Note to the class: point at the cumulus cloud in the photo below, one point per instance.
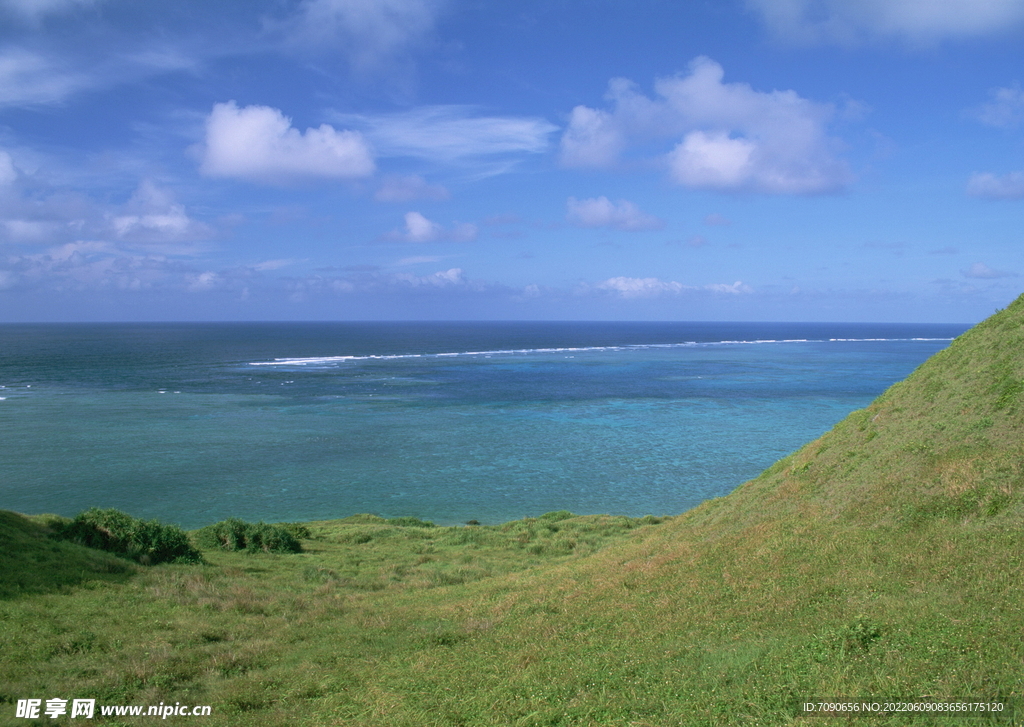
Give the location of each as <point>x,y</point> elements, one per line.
<point>374,34</point>
<point>419,229</point>
<point>919,21</point>
<point>728,137</point>
<point>981,270</point>
<point>259,143</point>
<point>450,134</point>
<point>396,188</point>
<point>594,138</point>
<point>992,186</point>
<point>602,212</point>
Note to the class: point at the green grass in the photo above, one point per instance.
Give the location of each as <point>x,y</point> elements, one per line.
<point>881,562</point>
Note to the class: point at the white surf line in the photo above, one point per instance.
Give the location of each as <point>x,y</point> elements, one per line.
<point>320,360</point>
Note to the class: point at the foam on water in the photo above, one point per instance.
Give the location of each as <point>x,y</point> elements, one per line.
<point>320,360</point>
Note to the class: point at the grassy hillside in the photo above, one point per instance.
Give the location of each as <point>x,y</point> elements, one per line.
<point>881,562</point>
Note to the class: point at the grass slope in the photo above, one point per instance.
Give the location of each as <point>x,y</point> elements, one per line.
<point>33,563</point>
<point>881,562</point>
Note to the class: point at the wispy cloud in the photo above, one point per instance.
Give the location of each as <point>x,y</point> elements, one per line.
<point>450,134</point>
<point>29,77</point>
<point>995,186</point>
<point>717,220</point>
<point>375,35</point>
<point>33,11</point>
<point>1005,110</point>
<point>847,22</point>
<point>398,188</point>
<point>602,212</point>
<point>418,260</point>
<point>983,271</point>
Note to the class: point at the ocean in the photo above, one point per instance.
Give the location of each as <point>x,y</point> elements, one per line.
<point>191,423</point>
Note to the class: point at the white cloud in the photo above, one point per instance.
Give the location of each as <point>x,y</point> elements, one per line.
<point>27,78</point>
<point>273,264</point>
<point>408,188</point>
<point>374,34</point>
<point>602,212</point>
<point>991,186</point>
<point>153,216</point>
<point>734,289</point>
<point>204,281</point>
<point>731,137</point>
<point>419,229</point>
<point>440,279</point>
<point>29,230</point>
<point>1005,110</point>
<point>640,287</point>
<point>258,143</point>
<point>34,10</point>
<point>450,134</point>
<point>30,76</point>
<point>919,21</point>
<point>418,259</point>
<point>8,174</point>
<point>93,265</point>
<point>652,287</point>
<point>717,220</point>
<point>592,139</point>
<point>712,161</point>
<point>981,270</point>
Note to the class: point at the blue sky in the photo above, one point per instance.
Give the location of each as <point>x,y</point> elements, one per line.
<point>817,160</point>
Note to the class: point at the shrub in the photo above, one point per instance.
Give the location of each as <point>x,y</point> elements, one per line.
<point>298,530</point>
<point>146,541</point>
<point>556,516</point>
<point>235,534</point>
<point>409,522</point>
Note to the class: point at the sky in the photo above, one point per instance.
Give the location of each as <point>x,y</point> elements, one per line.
<point>742,160</point>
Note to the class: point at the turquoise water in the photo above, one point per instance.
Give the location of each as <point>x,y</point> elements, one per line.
<point>192,423</point>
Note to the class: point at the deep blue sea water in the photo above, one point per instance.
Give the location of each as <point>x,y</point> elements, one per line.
<point>192,423</point>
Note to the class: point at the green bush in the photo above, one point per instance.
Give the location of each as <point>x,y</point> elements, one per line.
<point>235,534</point>
<point>409,522</point>
<point>298,530</point>
<point>146,541</point>
<point>556,516</point>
